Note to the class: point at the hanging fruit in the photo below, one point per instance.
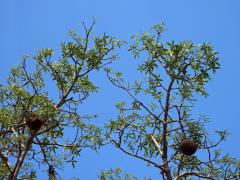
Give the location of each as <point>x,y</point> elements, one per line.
<point>34,125</point>
<point>188,147</point>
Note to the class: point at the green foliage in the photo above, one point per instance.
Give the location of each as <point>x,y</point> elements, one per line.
<point>174,72</point>
<point>25,99</point>
<point>117,174</point>
<point>150,126</point>
<point>189,64</point>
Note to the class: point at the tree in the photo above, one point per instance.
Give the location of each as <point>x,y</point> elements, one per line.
<point>34,125</point>
<point>157,126</point>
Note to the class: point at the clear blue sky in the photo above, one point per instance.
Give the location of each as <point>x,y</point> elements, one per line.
<point>27,26</point>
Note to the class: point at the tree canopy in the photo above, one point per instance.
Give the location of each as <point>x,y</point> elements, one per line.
<point>161,131</point>
<point>34,126</point>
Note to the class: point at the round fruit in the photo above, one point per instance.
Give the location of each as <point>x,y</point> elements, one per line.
<point>188,147</point>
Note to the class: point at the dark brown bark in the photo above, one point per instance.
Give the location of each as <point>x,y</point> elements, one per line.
<point>21,158</point>
<point>167,171</point>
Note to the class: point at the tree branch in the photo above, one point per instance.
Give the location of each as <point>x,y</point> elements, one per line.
<point>185,174</point>
<point>165,122</point>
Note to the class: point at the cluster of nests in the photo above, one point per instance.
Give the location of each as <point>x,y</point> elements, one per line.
<point>188,147</point>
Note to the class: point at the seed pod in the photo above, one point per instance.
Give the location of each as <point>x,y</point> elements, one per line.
<point>188,147</point>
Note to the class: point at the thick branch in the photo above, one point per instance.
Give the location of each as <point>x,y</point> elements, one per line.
<point>21,158</point>
<point>156,144</point>
<point>165,143</point>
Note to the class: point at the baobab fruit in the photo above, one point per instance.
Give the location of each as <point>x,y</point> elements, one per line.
<point>34,125</point>
<point>188,147</point>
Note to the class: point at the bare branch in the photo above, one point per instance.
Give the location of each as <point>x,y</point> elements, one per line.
<point>186,174</point>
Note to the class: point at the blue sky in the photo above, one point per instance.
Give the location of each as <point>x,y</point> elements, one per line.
<point>27,26</point>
